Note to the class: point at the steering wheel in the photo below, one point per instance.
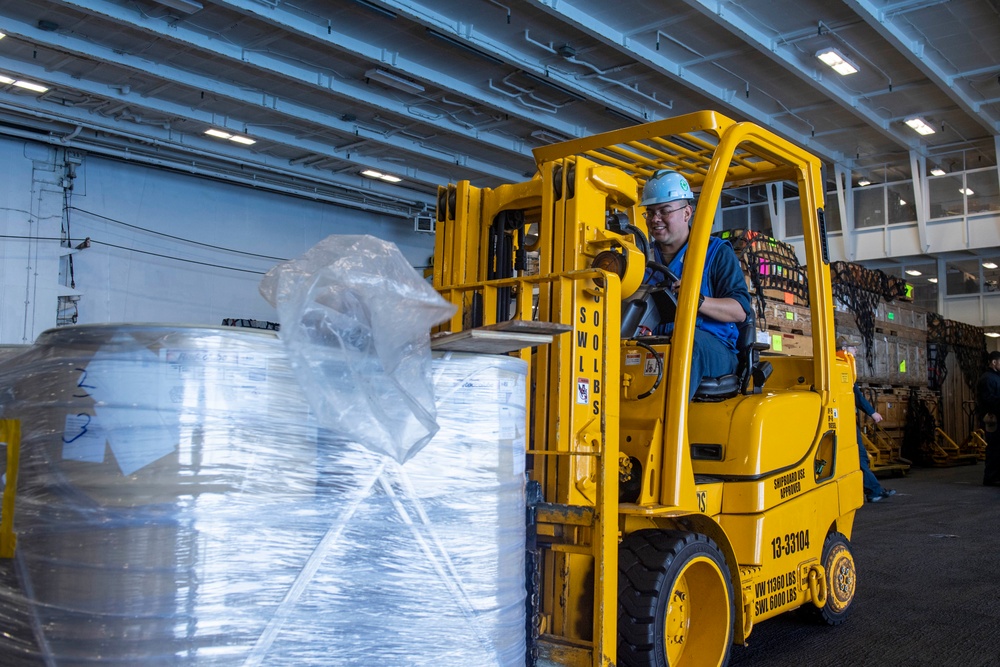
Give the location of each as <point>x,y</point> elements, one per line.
<point>662,294</point>
<point>669,278</point>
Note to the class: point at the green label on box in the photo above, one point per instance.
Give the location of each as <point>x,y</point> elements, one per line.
<point>891,316</point>
<point>909,291</point>
<point>902,366</point>
<point>776,342</point>
<point>789,316</point>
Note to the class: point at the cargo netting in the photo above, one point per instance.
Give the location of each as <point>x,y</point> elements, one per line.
<point>968,342</point>
<point>769,264</point>
<point>861,289</point>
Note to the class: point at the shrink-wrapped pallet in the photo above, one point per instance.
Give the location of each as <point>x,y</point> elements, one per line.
<point>178,504</point>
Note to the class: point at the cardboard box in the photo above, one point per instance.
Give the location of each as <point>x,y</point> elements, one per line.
<point>791,345</point>
<point>788,317</point>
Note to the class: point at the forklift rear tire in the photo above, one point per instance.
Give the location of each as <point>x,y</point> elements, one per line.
<point>675,601</point>
<point>841,580</point>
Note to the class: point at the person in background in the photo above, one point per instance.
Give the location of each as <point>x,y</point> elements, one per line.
<point>874,491</point>
<point>988,411</point>
<point>724,301</point>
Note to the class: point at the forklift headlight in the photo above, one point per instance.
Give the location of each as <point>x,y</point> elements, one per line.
<point>612,262</point>
<point>626,263</point>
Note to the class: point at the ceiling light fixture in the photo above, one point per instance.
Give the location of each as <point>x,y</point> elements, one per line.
<point>865,182</point>
<point>919,125</point>
<point>2,35</point>
<point>993,334</point>
<point>966,191</point>
<point>902,202</point>
<point>27,85</point>
<point>371,173</point>
<point>937,171</point>
<point>186,6</point>
<point>913,272</point>
<point>237,138</point>
<point>838,61</point>
<point>394,80</point>
<point>34,87</point>
<point>989,265</point>
<point>932,280</point>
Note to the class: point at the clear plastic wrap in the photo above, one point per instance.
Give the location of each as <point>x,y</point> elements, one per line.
<point>178,504</point>
<point>356,318</point>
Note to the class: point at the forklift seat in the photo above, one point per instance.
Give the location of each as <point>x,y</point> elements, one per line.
<point>748,367</point>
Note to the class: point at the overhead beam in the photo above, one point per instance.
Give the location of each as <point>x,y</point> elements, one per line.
<point>15,115</point>
<point>346,43</point>
<point>352,92</point>
<point>465,35</point>
<point>927,63</point>
<point>204,119</point>
<point>677,73</point>
<point>788,59</point>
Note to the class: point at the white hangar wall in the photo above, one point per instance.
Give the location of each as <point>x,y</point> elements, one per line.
<point>165,247</point>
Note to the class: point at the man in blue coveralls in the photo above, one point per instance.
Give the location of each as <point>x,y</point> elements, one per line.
<point>724,300</point>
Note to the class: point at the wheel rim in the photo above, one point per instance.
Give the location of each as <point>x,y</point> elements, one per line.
<point>843,579</point>
<point>699,616</point>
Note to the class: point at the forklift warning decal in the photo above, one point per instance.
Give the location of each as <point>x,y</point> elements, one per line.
<point>652,367</point>
<point>582,391</point>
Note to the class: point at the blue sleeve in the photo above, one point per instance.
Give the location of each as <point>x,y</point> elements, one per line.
<point>862,402</point>
<point>727,278</point>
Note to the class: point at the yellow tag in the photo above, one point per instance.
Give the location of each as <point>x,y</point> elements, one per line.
<point>789,316</point>
<point>776,342</point>
<point>902,366</point>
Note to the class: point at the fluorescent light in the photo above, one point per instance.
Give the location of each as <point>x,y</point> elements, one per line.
<point>27,85</point>
<point>966,191</point>
<point>371,173</point>
<point>838,61</point>
<point>913,272</point>
<point>2,35</point>
<point>937,171</point>
<point>394,80</point>
<point>993,334</point>
<point>919,125</point>
<point>932,280</point>
<point>989,265</point>
<point>236,138</point>
<point>902,202</point>
<point>864,183</point>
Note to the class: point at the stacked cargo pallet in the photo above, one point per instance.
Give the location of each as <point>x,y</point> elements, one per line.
<point>910,359</point>
<point>779,287</point>
<point>873,308</point>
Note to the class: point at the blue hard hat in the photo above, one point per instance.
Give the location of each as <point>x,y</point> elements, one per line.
<point>665,186</point>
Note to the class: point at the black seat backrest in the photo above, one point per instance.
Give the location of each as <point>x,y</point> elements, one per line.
<point>748,366</point>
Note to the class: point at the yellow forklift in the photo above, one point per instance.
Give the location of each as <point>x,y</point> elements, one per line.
<point>662,529</point>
